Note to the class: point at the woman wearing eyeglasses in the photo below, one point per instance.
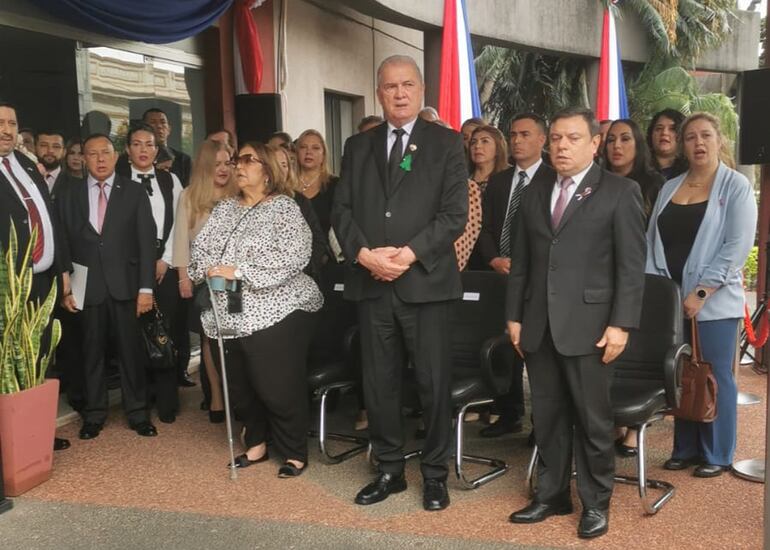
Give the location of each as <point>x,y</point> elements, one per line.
<point>211,181</point>
<point>259,242</point>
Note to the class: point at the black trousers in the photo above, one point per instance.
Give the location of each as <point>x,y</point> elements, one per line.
<point>510,406</point>
<point>162,383</point>
<point>571,406</point>
<point>119,319</point>
<point>180,330</point>
<point>267,375</point>
<point>391,330</point>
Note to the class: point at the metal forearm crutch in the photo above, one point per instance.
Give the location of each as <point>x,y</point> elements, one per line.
<point>225,390</point>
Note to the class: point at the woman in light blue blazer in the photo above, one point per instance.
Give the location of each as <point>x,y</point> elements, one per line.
<point>700,233</point>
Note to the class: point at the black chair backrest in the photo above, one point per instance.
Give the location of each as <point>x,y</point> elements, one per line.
<point>336,316</point>
<point>660,328</point>
<point>478,316</point>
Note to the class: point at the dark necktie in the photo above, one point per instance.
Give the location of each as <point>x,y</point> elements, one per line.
<point>147,182</point>
<point>513,207</point>
<point>35,220</point>
<point>396,156</point>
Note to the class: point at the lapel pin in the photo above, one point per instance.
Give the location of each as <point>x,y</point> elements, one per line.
<point>587,191</point>
<point>412,147</point>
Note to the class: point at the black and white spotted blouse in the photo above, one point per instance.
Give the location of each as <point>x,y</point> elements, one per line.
<point>271,245</point>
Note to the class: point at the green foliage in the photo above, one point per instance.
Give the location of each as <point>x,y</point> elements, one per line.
<point>513,81</point>
<point>22,322</point>
<point>750,269</point>
<point>675,88</point>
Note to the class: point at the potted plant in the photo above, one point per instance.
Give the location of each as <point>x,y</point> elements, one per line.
<point>28,402</point>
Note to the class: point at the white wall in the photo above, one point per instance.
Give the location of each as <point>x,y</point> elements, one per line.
<point>336,51</point>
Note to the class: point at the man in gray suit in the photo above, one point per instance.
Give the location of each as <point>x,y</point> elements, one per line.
<point>575,289</point>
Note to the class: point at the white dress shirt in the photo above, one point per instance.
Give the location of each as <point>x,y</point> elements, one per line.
<point>159,207</point>
<point>407,128</point>
<point>93,206</point>
<point>46,261</point>
<point>531,171</point>
<point>576,179</point>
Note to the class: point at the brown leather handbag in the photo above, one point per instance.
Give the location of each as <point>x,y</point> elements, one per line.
<point>698,400</point>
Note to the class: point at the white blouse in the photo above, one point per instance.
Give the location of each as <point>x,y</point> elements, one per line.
<point>271,244</point>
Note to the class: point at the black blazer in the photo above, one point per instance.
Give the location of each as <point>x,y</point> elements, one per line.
<point>12,208</point>
<point>121,259</point>
<point>182,166</point>
<point>494,206</point>
<point>64,182</point>
<point>585,275</point>
<point>426,209</point>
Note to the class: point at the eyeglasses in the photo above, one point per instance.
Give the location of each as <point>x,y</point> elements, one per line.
<point>248,160</point>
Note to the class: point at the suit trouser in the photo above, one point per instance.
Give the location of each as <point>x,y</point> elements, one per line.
<point>391,328</point>
<point>116,317</point>
<point>163,382</point>
<point>571,406</point>
<point>267,375</point>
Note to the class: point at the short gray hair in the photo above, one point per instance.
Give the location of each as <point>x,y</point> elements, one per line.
<point>398,60</point>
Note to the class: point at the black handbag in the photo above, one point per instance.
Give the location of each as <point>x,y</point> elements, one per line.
<point>201,297</point>
<point>157,343</point>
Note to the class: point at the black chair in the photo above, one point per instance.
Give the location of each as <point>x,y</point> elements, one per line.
<point>646,380</point>
<point>482,362</point>
<point>334,360</point>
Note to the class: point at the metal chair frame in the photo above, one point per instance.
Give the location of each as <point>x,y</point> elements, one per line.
<point>360,444</point>
<point>498,467</point>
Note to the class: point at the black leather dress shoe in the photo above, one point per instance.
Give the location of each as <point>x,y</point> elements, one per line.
<point>709,470</point>
<point>680,463</point>
<point>536,512</point>
<point>167,418</point>
<point>60,444</point>
<point>434,495</point>
<point>381,488</point>
<point>625,450</point>
<point>184,380</point>
<point>145,429</point>
<point>501,427</point>
<point>593,523</point>
<point>89,430</point>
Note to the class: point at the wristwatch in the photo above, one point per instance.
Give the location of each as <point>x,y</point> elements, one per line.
<point>701,293</point>
<point>238,273</point>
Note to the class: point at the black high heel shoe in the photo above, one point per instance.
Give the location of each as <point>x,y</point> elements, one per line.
<point>216,417</point>
<point>290,470</point>
<point>243,461</point>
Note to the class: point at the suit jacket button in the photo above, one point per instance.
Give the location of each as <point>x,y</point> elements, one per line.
<point>552,267</point>
<point>388,214</point>
<point>555,241</point>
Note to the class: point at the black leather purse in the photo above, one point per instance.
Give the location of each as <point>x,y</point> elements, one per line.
<point>157,343</point>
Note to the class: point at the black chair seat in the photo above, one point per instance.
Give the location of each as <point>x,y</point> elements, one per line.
<point>469,389</point>
<point>636,403</point>
<point>329,371</point>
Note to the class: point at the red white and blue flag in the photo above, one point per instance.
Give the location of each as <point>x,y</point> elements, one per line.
<point>611,101</point>
<point>459,92</point>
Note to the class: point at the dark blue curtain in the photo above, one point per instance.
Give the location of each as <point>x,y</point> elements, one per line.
<point>153,21</point>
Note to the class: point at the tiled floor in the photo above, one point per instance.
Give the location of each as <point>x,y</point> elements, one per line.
<point>183,472</point>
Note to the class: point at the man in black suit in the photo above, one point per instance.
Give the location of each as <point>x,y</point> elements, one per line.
<point>500,206</point>
<point>25,202</point>
<point>109,229</point>
<point>182,163</point>
<point>575,289</point>
<point>401,202</point>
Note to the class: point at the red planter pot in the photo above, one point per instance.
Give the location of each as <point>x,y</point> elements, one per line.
<point>27,428</point>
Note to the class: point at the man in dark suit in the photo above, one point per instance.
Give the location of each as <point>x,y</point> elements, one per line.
<point>401,202</point>
<point>25,202</point>
<point>500,206</point>
<point>182,163</point>
<point>109,229</point>
<point>575,289</point>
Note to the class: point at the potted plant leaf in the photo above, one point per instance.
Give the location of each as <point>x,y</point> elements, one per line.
<point>28,402</point>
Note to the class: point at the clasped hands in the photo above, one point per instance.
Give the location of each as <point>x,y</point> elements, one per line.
<point>387,263</point>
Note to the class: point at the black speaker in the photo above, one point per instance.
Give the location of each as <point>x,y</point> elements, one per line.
<point>754,145</point>
<point>257,116</point>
